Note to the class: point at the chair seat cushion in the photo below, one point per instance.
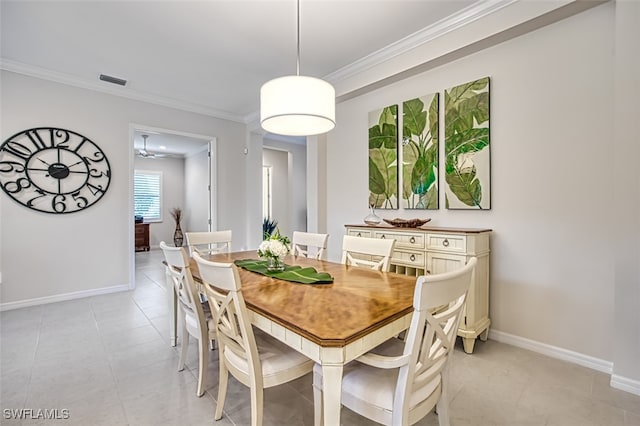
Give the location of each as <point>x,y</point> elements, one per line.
<point>276,358</point>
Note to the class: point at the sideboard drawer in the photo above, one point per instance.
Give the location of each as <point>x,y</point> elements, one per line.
<point>359,233</point>
<point>403,239</point>
<point>447,242</point>
<point>409,258</point>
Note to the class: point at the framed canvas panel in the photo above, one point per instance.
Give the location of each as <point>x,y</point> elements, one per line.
<point>420,153</point>
<point>383,158</point>
<point>467,162</point>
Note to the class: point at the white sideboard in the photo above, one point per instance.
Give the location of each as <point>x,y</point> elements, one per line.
<point>434,250</point>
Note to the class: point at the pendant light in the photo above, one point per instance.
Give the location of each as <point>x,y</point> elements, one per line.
<point>297,105</point>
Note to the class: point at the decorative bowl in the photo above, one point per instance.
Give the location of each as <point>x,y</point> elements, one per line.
<point>406,223</point>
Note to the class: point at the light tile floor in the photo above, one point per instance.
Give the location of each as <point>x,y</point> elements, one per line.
<point>106,359</point>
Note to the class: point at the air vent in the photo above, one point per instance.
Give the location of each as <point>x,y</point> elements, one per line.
<point>114,80</point>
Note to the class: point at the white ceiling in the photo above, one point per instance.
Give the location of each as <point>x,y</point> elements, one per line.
<point>210,55</point>
<point>166,143</point>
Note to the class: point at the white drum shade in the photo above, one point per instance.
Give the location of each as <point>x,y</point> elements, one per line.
<point>297,106</point>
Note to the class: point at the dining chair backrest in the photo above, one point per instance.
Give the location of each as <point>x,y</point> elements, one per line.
<point>221,284</point>
<point>372,252</point>
<point>309,244</point>
<point>256,360</point>
<point>401,381</point>
<point>209,242</point>
<point>438,304</point>
<point>178,269</point>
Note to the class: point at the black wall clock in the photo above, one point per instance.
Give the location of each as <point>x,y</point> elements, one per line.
<point>53,170</point>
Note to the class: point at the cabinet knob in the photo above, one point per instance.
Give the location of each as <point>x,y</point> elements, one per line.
<point>428,271</point>
<point>412,240</point>
<point>412,257</point>
<point>445,243</point>
<point>359,234</point>
<point>383,237</point>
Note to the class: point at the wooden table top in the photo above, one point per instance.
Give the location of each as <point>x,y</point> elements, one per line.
<point>331,315</point>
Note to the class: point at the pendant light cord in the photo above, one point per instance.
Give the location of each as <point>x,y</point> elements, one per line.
<point>298,41</point>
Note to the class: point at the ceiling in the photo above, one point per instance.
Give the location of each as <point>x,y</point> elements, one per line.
<point>172,145</point>
<point>209,56</point>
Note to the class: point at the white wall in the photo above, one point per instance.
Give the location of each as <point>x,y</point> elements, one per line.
<point>296,182</point>
<point>46,256</point>
<point>173,184</point>
<point>627,199</point>
<point>551,118</point>
<point>279,162</point>
<point>253,195</point>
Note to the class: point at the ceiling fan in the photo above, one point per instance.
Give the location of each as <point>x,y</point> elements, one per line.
<point>147,154</point>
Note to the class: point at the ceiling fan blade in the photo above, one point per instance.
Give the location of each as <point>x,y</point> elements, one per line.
<point>145,154</point>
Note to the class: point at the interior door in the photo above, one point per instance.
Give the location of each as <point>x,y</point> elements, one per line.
<point>198,190</point>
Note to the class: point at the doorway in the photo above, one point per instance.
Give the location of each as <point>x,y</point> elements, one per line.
<point>186,164</point>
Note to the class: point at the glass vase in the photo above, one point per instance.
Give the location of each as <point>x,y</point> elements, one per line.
<point>372,218</point>
<point>275,264</point>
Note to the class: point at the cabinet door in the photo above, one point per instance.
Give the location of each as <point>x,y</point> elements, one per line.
<point>438,263</point>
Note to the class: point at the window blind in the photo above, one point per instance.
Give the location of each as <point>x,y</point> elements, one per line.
<point>147,194</point>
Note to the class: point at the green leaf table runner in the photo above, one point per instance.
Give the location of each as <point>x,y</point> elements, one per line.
<point>292,273</point>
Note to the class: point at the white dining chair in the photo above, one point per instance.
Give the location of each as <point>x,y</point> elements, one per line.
<point>209,242</point>
<point>256,360</point>
<point>371,252</point>
<point>401,381</point>
<point>309,244</point>
<point>196,317</point>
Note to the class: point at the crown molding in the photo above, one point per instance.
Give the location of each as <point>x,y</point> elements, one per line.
<point>252,120</point>
<point>125,92</point>
<point>451,23</point>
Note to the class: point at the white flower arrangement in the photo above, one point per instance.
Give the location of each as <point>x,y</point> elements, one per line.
<point>275,246</point>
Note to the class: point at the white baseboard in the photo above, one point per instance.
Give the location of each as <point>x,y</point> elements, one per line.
<point>552,351</point>
<point>618,382</point>
<point>62,297</point>
<point>625,384</point>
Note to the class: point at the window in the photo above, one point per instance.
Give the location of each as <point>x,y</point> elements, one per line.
<point>147,195</point>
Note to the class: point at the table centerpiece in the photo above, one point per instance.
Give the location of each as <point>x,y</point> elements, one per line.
<point>273,249</point>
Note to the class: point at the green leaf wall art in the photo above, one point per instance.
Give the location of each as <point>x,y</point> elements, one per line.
<point>383,158</point>
<point>466,146</point>
<point>420,152</point>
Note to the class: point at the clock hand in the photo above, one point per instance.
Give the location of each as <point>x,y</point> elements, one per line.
<point>40,159</point>
<point>75,164</point>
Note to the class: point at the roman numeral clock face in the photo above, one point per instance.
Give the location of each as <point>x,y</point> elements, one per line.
<point>53,170</point>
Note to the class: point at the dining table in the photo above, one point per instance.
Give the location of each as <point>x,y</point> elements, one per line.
<point>332,323</point>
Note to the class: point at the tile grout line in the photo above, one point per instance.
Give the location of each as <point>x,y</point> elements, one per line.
<point>33,361</point>
<point>113,376</point>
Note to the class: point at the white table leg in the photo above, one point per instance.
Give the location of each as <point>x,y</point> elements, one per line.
<point>332,392</point>
<point>173,308</point>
